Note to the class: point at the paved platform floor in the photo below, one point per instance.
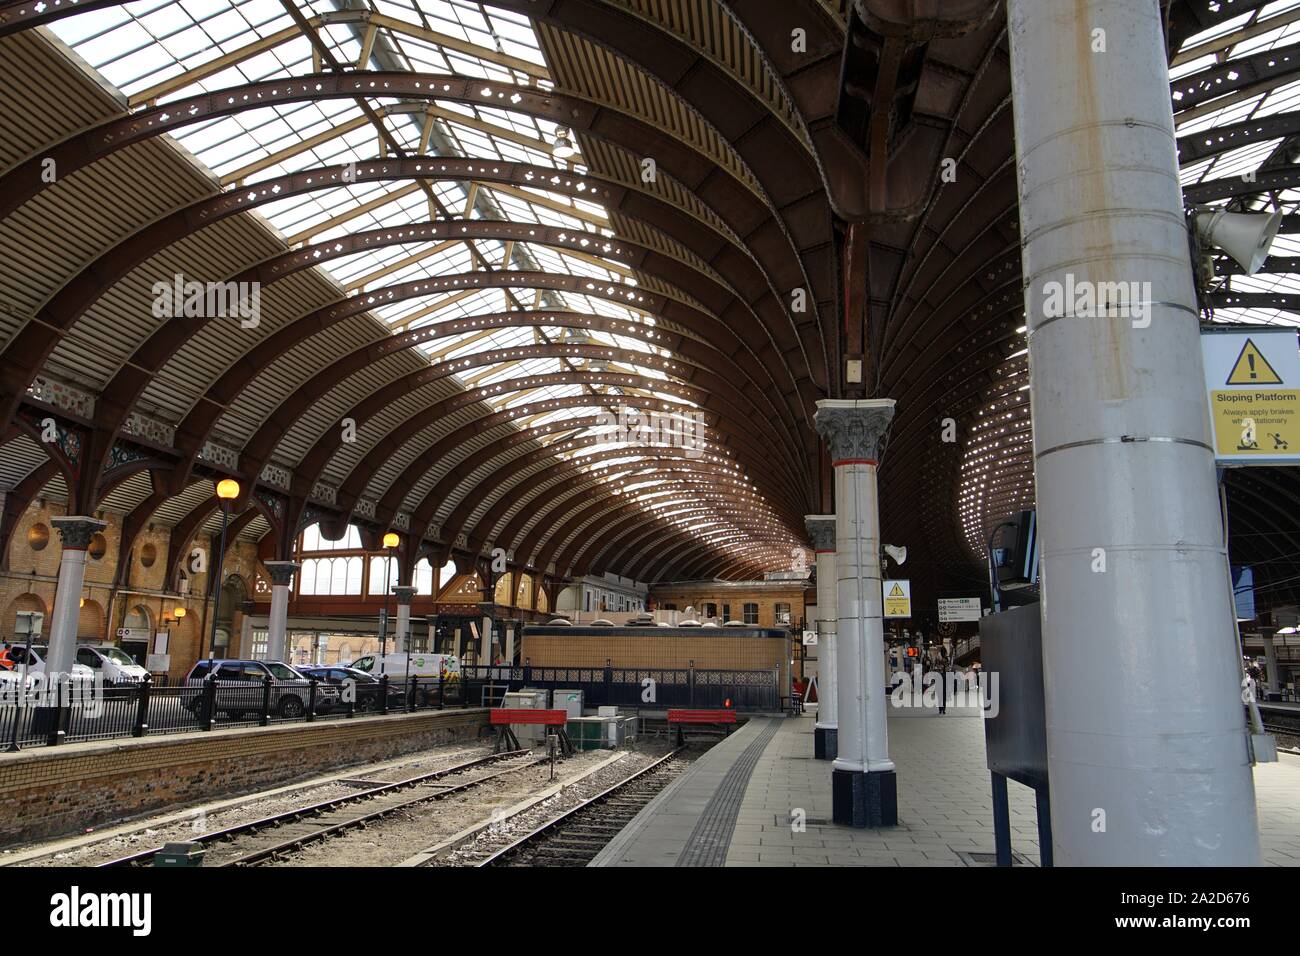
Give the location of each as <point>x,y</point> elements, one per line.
<point>739,804</point>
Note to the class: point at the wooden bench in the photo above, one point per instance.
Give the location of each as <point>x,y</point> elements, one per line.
<point>503,718</point>
<point>700,718</point>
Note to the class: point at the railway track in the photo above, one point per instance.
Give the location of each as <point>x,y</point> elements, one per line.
<point>247,844</point>
<point>575,837</point>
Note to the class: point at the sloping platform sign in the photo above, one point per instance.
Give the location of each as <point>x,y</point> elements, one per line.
<point>1252,381</point>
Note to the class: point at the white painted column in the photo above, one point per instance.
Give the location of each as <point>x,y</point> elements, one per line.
<point>1271,681</point>
<point>864,789</point>
<point>404,594</point>
<point>282,573</point>
<point>1146,738</point>
<point>75,532</point>
<point>821,529</point>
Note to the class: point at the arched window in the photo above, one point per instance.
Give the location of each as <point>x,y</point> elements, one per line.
<point>354,576</point>
<point>307,578</point>
<point>423,577</point>
<point>377,566</point>
<point>446,574</point>
<point>338,576</point>
<point>311,539</point>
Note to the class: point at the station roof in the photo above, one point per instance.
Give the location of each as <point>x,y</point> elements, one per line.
<point>487,235</point>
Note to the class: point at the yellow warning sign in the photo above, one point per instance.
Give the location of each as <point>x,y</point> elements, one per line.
<point>1258,422</point>
<point>898,598</point>
<point>1251,368</point>
<point>1252,381</point>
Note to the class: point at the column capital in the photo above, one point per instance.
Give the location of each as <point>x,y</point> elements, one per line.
<point>404,594</point>
<point>75,531</point>
<point>853,428</point>
<point>821,528</point>
<point>281,571</point>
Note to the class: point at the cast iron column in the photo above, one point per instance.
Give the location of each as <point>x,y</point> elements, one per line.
<point>282,573</point>
<point>75,532</point>
<point>404,595</point>
<point>1146,738</point>
<point>864,790</point>
<point>821,528</point>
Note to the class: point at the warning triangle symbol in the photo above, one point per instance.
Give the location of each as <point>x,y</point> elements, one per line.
<point>896,592</point>
<point>1251,368</point>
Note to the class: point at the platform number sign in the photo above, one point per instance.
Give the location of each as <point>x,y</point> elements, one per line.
<point>1252,380</point>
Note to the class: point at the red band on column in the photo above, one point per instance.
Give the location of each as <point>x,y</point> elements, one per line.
<point>853,461</point>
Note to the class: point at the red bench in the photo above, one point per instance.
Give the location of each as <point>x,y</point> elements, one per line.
<point>680,718</point>
<point>504,718</point>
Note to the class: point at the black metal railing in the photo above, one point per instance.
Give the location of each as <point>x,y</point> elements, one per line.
<point>78,712</point>
<point>96,712</point>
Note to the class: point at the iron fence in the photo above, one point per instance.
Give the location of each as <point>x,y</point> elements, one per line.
<point>71,713</point>
<point>148,709</point>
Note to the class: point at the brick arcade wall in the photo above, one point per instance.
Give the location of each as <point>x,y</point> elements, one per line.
<point>57,791</point>
<point>29,581</point>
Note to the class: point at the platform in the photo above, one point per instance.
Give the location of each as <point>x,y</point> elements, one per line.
<point>734,806</point>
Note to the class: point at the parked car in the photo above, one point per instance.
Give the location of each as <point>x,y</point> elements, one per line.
<point>239,688</point>
<point>113,662</point>
<point>367,686</point>
<point>35,661</point>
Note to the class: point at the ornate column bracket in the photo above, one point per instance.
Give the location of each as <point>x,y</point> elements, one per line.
<point>75,531</point>
<point>404,594</point>
<point>821,529</point>
<point>854,429</point>
<point>281,572</point>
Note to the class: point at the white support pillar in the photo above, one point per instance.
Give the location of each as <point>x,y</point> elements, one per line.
<point>864,791</point>
<point>821,529</point>
<point>282,573</point>
<point>75,532</point>
<point>1271,682</point>
<point>404,594</point>
<point>1146,740</point>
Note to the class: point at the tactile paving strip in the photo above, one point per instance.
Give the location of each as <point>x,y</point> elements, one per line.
<point>711,838</point>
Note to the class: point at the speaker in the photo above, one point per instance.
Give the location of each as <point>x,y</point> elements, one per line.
<point>899,554</point>
<point>1246,237</point>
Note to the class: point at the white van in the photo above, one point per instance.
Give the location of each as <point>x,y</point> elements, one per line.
<point>446,666</point>
<point>34,663</point>
<point>111,661</point>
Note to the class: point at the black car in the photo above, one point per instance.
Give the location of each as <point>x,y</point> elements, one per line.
<point>367,687</point>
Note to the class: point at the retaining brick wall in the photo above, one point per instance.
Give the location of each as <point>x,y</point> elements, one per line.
<point>57,791</point>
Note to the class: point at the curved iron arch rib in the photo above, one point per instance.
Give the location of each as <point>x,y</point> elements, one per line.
<point>206,413</point>
<point>776,156</point>
<point>381,399</point>
<point>580,553</point>
<point>448,485</point>
<point>568,543</point>
<point>128,384</point>
<point>676,157</point>
<point>544,481</point>
<point>561,492</point>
